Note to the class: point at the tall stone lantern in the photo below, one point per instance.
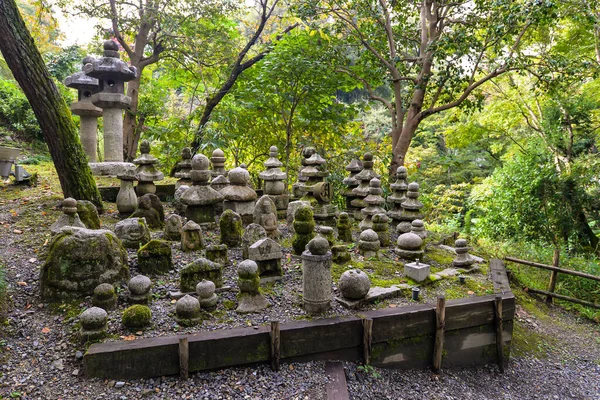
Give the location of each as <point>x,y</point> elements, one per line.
<point>112,73</point>
<point>88,113</point>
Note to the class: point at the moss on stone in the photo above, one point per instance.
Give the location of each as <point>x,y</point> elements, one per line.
<point>229,305</point>
<point>137,316</point>
<point>231,228</point>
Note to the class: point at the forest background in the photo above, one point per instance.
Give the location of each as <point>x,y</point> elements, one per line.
<point>491,105</point>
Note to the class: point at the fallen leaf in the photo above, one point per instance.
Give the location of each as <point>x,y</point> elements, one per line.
<point>393,306</point>
<point>130,337</point>
<point>46,242</point>
<point>22,283</point>
<point>470,292</point>
<point>45,329</point>
<point>173,301</point>
<point>18,232</point>
<point>32,260</point>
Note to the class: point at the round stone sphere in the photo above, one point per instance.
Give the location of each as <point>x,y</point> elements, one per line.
<point>93,318</point>
<point>368,157</point>
<point>369,235</point>
<point>247,269</point>
<point>187,307</point>
<point>409,241</point>
<point>318,246</point>
<point>413,187</point>
<point>417,223</point>
<point>205,289</point>
<point>69,202</point>
<point>139,285</point>
<point>354,284</point>
<point>401,172</point>
<point>375,183</point>
<point>145,147</point>
<point>238,176</point>
<point>137,316</point>
<point>218,153</point>
<point>200,162</point>
<point>110,45</point>
<point>104,291</point>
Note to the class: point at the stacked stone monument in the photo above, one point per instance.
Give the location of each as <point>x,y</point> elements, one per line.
<point>146,172</point>
<point>317,191</point>
<point>250,299</point>
<point>238,196</point>
<point>69,216</point>
<point>126,198</point>
<point>463,259</point>
<point>374,203</point>
<point>218,163</point>
<point>200,199</point>
<point>316,276</point>
<point>410,246</point>
<point>399,189</point>
<point>362,190</point>
<point>112,73</point>
<point>351,182</point>
<point>274,182</point>
<point>410,209</point>
<point>88,113</point>
<point>184,167</point>
<point>298,187</point>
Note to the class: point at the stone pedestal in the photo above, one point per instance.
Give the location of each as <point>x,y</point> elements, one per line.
<point>113,134</point>
<point>316,276</point>
<point>417,271</point>
<point>126,198</point>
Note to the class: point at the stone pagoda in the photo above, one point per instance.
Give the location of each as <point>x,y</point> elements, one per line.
<point>112,73</point>
<point>374,203</point>
<point>399,189</point>
<point>218,163</point>
<point>88,113</point>
<point>410,209</point>
<point>317,191</point>
<point>146,172</point>
<point>362,190</point>
<point>184,167</point>
<point>354,168</point>
<point>238,196</point>
<point>274,182</point>
<point>200,199</point>
<point>298,187</point>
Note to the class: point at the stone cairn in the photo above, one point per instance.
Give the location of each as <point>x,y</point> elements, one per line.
<point>250,299</point>
<point>184,167</point>
<point>112,73</point>
<point>381,226</point>
<point>354,284</point>
<point>344,228</point>
<point>274,182</point>
<point>265,214</point>
<point>399,189</point>
<point>139,289</point>
<point>368,244</point>
<point>93,324</point>
<point>218,163</point>
<point>409,246</point>
<point>463,258</point>
<point>126,198</point>
<point>69,216</point>
<point>317,191</point>
<point>206,294</point>
<point>374,203</point>
<point>187,311</point>
<point>191,237</point>
<point>146,171</point>
<point>304,229</point>
<point>105,297</point>
<point>410,209</point>
<point>238,196</point>
<point>354,168</point>
<point>316,276</point>
<point>362,190</point>
<point>298,188</point>
<point>133,232</point>
<point>200,199</point>
<point>88,113</point>
<point>230,225</point>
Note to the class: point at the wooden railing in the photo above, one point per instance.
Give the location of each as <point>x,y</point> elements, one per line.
<point>555,270</point>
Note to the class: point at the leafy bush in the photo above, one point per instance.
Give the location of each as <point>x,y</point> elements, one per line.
<point>15,111</point>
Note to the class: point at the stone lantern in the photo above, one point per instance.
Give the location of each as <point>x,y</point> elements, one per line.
<point>88,113</point>
<point>112,73</point>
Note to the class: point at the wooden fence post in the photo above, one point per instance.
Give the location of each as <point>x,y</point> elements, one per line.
<point>367,324</point>
<point>275,345</point>
<point>499,331</point>
<point>184,358</point>
<point>440,318</point>
<point>553,275</point>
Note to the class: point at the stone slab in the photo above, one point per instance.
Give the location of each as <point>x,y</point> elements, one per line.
<point>375,294</point>
<point>113,168</point>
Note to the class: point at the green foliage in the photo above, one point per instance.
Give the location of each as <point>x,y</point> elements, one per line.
<point>15,111</point>
<point>64,62</point>
<point>369,370</point>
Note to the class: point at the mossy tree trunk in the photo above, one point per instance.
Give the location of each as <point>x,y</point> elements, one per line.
<point>53,115</point>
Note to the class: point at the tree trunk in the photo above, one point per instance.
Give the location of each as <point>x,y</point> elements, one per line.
<point>131,133</point>
<point>53,115</point>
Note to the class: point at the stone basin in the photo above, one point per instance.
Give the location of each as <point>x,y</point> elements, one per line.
<point>7,157</point>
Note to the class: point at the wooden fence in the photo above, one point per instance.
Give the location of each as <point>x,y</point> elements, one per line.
<point>555,270</point>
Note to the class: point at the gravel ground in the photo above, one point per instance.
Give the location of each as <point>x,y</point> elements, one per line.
<point>41,359</point>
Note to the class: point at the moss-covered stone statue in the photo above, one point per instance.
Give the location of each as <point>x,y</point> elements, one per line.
<point>304,227</point>
<point>231,228</point>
